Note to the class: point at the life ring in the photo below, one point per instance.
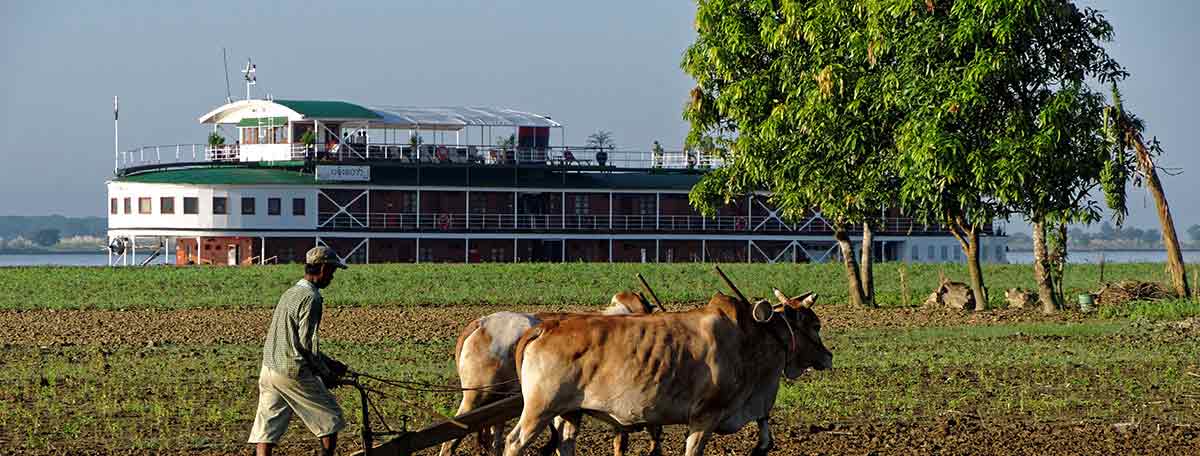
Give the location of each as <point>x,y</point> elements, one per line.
<point>444,221</point>
<point>740,224</point>
<point>442,154</point>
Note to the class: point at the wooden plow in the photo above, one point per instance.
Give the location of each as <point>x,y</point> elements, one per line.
<point>405,442</point>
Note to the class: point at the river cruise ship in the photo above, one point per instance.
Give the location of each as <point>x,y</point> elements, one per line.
<point>398,184</point>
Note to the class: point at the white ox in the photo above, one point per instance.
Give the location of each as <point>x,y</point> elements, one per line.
<point>488,372</point>
<point>714,369</point>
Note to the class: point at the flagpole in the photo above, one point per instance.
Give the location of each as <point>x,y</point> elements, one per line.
<point>116,136</point>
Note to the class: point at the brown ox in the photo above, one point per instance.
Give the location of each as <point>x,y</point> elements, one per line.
<point>487,369</point>
<point>713,369</point>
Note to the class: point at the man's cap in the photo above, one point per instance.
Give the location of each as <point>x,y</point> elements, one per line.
<point>323,255</point>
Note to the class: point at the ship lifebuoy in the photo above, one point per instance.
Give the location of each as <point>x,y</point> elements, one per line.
<point>444,221</point>
<point>442,155</point>
<point>740,224</point>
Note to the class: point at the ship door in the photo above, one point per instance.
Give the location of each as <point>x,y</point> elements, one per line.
<point>233,254</point>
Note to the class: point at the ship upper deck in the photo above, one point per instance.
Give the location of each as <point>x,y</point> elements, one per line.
<point>337,132</point>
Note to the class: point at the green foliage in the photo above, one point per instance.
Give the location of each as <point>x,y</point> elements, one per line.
<point>1119,165</point>
<point>1000,119</point>
<point>799,93</point>
<point>522,284</point>
<point>215,139</point>
<point>602,139</point>
<point>507,142</point>
<point>19,225</point>
<point>308,138</point>
<point>46,237</point>
<point>1173,309</point>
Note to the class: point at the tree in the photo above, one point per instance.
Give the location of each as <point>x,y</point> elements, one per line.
<point>507,142</point>
<point>1064,155</point>
<point>1131,156</point>
<point>46,237</point>
<point>1194,233</point>
<point>995,92</point>
<point>215,139</point>
<point>602,139</point>
<point>799,93</point>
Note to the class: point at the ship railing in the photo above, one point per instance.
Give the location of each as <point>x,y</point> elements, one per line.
<point>563,156</point>
<point>222,153</point>
<point>490,221</point>
<point>160,154</point>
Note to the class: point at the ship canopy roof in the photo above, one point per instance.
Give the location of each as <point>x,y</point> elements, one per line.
<point>382,116</point>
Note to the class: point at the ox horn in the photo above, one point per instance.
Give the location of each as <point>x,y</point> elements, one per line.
<point>731,285</point>
<point>783,299</point>
<point>649,291</point>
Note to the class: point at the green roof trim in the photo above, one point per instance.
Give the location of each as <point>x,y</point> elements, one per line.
<point>263,122</point>
<point>222,176</point>
<point>329,109</point>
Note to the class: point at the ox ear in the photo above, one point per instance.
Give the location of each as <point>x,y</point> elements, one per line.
<point>804,300</point>
<point>783,299</point>
<point>762,311</point>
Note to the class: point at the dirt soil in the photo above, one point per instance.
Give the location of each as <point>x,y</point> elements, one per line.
<point>242,326</point>
<point>951,436</point>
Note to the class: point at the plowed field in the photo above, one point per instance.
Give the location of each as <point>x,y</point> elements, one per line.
<point>906,381</point>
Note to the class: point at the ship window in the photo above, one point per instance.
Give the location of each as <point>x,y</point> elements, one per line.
<point>273,206</point>
<point>144,206</point>
<point>128,205</point>
<point>916,254</point>
<point>298,206</point>
<point>112,205</point>
<point>581,205</point>
<point>944,253</point>
<point>248,206</point>
<point>930,253</point>
<point>166,205</point>
<point>645,205</point>
<point>220,205</point>
<point>191,205</point>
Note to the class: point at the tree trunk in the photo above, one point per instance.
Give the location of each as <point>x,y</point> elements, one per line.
<point>1041,273</point>
<point>855,286</point>
<point>866,266</point>
<point>1170,240</point>
<point>974,268</point>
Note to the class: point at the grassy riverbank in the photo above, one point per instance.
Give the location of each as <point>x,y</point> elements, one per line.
<point>24,288</point>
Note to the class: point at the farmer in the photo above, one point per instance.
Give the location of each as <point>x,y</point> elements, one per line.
<point>295,376</point>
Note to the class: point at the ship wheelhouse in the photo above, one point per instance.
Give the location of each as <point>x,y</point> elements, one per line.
<point>447,184</point>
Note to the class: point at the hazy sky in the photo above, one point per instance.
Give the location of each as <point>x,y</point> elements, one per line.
<point>610,65</point>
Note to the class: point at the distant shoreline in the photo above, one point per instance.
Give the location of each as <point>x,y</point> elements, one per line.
<point>1185,249</point>
<point>97,251</point>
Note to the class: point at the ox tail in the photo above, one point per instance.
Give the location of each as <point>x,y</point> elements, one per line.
<point>462,338</point>
<point>530,335</point>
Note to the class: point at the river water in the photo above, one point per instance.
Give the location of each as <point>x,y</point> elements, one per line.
<point>54,259</point>
<point>1110,256</point>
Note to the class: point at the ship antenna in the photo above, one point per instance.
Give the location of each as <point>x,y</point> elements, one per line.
<point>251,79</point>
<point>225,60</point>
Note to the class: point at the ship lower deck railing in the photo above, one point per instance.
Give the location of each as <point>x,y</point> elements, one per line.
<point>501,222</point>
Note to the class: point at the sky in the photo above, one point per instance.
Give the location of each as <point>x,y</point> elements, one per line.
<point>610,65</point>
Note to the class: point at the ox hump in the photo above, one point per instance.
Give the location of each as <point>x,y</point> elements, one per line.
<point>505,329</point>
